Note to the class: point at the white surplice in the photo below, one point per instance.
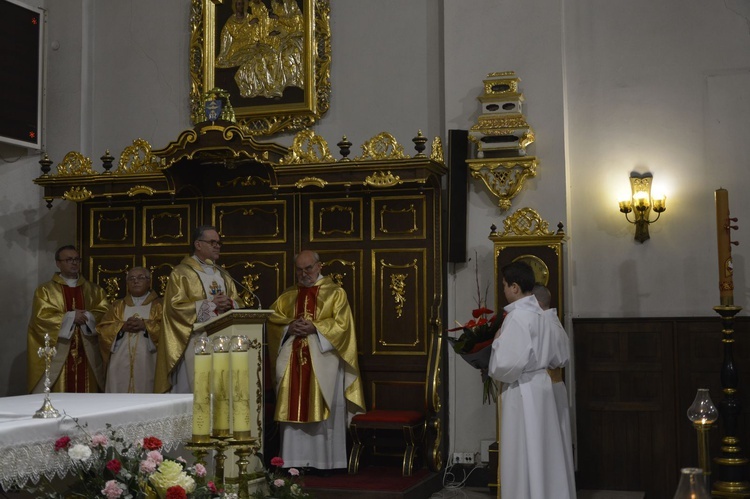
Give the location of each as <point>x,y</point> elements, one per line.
<point>535,453</point>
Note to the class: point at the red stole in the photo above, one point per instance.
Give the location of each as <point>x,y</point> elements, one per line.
<point>301,363</point>
<point>75,370</point>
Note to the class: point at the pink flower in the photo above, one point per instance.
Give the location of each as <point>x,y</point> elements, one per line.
<point>112,490</point>
<point>277,461</point>
<point>294,471</point>
<point>279,482</point>
<point>155,456</point>
<point>148,466</point>
<point>114,466</point>
<point>99,440</point>
<point>200,470</point>
<point>62,443</point>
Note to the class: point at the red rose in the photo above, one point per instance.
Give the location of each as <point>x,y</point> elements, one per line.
<point>212,488</point>
<point>176,492</point>
<point>114,466</point>
<point>277,461</point>
<point>152,443</point>
<point>62,443</point>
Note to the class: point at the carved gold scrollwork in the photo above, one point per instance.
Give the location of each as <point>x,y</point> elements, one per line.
<point>138,159</point>
<point>111,284</point>
<point>503,177</point>
<point>248,181</point>
<point>165,214</point>
<point>380,179</point>
<point>163,281</point>
<point>308,148</point>
<point>164,278</point>
<point>75,163</point>
<point>141,189</point>
<point>526,222</point>
<point>307,181</point>
<point>398,286</point>
<point>77,194</point>
<point>385,211</point>
<point>331,209</point>
<point>248,294</point>
<point>382,146</point>
<point>108,221</point>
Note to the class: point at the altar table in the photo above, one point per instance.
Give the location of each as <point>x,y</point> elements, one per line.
<point>27,445</point>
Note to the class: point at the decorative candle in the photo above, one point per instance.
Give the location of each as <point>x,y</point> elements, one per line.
<point>239,346</point>
<point>726,285</point>
<point>202,391</point>
<point>220,386</point>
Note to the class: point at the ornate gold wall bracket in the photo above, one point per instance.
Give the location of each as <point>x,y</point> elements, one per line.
<point>504,177</point>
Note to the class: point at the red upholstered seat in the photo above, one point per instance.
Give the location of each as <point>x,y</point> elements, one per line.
<point>411,423</point>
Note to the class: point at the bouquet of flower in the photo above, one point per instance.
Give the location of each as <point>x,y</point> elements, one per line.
<point>473,345</point>
<point>282,484</point>
<point>107,466</point>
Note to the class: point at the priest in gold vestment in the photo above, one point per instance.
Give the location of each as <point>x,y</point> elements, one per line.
<point>314,349</point>
<point>128,335</point>
<point>67,308</point>
<point>197,291</point>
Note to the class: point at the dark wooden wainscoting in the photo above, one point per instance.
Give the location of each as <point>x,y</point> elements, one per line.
<point>635,379</point>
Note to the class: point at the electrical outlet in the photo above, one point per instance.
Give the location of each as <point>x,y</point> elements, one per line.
<point>468,458</point>
<point>458,458</point>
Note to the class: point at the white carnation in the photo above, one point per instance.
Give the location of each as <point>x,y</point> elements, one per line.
<point>79,452</point>
<point>169,474</point>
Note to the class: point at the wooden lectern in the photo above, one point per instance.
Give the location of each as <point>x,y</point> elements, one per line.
<point>250,323</point>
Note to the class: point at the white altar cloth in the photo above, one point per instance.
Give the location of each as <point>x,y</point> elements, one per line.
<point>27,445</point>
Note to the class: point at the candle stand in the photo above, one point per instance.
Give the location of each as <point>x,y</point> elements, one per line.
<point>731,466</point>
<point>243,448</point>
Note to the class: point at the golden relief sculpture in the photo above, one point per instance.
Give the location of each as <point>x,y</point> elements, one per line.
<point>112,287</point>
<point>503,177</point>
<point>382,179</point>
<point>266,47</point>
<point>248,294</point>
<point>77,194</point>
<point>437,150</point>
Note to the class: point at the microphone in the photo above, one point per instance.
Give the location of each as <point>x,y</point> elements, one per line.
<point>224,272</point>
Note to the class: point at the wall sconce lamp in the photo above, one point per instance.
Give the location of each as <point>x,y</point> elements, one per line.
<point>642,204</point>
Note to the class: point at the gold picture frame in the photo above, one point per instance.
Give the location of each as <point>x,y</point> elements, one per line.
<point>289,45</point>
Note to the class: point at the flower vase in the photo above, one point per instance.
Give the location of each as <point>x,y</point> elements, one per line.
<point>692,485</point>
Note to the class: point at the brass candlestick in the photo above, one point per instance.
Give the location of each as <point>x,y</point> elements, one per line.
<point>47,353</point>
<point>731,466</point>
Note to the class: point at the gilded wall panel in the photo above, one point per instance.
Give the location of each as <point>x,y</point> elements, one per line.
<point>108,271</point>
<point>251,222</point>
<point>261,274</point>
<point>399,313</point>
<point>338,219</point>
<point>398,217</point>
<point>112,227</point>
<point>167,225</point>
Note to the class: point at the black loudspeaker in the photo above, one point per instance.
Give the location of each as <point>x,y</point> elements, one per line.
<point>458,193</point>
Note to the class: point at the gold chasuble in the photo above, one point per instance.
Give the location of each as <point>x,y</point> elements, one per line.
<point>184,289</point>
<point>299,395</point>
<point>77,366</point>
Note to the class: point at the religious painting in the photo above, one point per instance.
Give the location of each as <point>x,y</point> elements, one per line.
<point>271,57</point>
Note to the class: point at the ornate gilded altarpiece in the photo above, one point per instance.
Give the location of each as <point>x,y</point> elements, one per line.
<point>272,56</point>
<point>375,220</point>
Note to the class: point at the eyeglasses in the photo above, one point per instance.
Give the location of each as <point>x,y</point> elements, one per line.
<point>212,242</point>
<point>70,260</point>
<point>138,278</point>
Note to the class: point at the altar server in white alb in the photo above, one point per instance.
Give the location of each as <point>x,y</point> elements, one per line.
<point>128,335</point>
<point>526,357</point>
